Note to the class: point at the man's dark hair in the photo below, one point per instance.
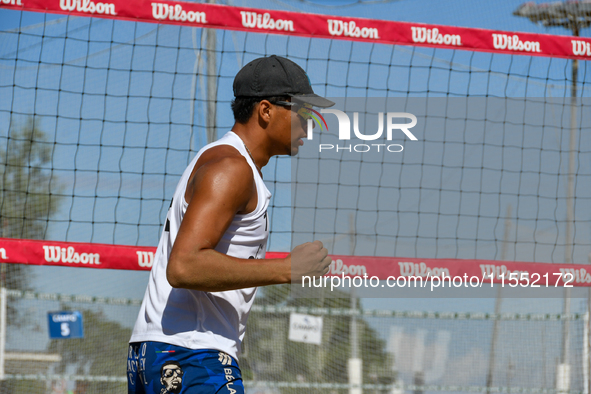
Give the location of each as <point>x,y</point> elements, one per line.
<point>242,107</point>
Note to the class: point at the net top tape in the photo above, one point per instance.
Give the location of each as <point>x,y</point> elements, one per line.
<point>317,26</point>
<point>141,258</point>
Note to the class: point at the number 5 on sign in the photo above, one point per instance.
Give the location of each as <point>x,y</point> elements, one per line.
<point>66,324</point>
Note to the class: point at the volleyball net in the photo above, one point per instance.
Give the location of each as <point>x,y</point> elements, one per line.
<point>104,104</point>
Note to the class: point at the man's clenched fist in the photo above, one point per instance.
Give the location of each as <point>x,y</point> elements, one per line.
<point>309,259</point>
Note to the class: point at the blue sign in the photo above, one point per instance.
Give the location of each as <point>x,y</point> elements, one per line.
<point>65,324</point>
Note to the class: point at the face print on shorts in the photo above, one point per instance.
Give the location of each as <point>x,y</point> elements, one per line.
<point>171,377</point>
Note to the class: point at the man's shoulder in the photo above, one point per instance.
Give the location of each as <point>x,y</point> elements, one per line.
<point>222,168</point>
<point>222,174</point>
<point>224,158</point>
<point>222,151</point>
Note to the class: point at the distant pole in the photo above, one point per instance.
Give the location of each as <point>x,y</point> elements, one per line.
<point>3,314</point>
<point>498,300</point>
<point>572,15</point>
<point>355,364</point>
<point>586,353</point>
<point>3,308</point>
<point>568,247</point>
<point>569,242</point>
<point>196,71</point>
<point>211,83</point>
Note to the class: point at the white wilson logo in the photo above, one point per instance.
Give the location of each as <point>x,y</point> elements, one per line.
<point>3,254</point>
<point>11,2</point>
<point>88,6</point>
<point>581,48</point>
<point>339,268</point>
<point>579,275</point>
<point>421,269</point>
<point>145,259</point>
<point>350,29</point>
<point>500,271</point>
<point>513,43</point>
<point>264,21</point>
<point>161,11</point>
<point>432,36</point>
<point>56,254</point>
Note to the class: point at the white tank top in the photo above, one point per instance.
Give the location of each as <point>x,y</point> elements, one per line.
<point>198,319</point>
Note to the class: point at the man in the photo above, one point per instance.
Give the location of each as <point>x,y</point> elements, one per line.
<point>210,258</point>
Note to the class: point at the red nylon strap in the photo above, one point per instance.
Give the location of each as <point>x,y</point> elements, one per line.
<point>140,258</point>
<point>317,26</point>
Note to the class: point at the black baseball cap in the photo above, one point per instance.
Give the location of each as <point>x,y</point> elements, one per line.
<point>276,76</point>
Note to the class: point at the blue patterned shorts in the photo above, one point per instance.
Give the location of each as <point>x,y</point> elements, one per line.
<point>160,368</point>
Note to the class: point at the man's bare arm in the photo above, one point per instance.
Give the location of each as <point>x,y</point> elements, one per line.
<point>222,188</point>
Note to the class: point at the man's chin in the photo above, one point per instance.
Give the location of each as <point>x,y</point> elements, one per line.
<point>176,390</point>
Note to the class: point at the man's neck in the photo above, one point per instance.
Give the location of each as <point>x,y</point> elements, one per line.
<point>254,138</point>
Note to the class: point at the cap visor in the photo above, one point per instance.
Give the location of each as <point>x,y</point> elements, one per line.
<point>313,99</point>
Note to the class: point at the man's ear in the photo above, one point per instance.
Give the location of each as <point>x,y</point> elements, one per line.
<point>264,110</point>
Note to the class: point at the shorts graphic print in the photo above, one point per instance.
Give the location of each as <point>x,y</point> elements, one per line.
<point>160,368</point>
